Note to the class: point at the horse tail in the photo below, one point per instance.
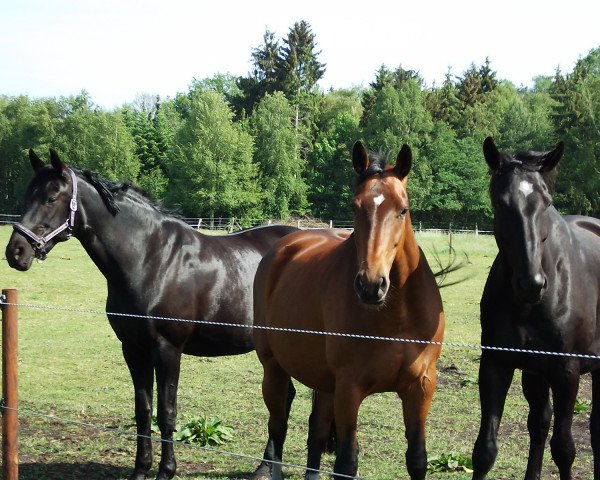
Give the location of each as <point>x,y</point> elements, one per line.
<point>451,265</point>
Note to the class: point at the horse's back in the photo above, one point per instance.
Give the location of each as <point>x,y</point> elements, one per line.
<point>583,224</point>
<point>262,238</point>
<point>296,252</point>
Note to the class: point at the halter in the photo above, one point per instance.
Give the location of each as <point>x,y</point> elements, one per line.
<point>39,243</point>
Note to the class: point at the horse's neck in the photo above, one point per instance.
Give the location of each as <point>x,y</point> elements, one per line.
<point>407,258</point>
<point>115,243</point>
<point>558,233</point>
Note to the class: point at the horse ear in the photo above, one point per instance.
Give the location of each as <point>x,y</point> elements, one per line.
<point>56,161</point>
<point>551,158</point>
<point>403,161</point>
<point>360,157</point>
<point>491,153</point>
<point>35,161</point>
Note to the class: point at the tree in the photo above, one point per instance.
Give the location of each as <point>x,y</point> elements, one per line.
<point>487,77</point>
<point>336,102</point>
<point>443,103</point>
<point>458,193</point>
<point>92,138</point>
<point>384,78</point>
<point>399,116</point>
<point>470,87</point>
<point>24,124</point>
<point>147,125</point>
<point>264,77</point>
<point>278,156</point>
<point>298,66</point>
<point>330,173</point>
<point>299,70</point>
<point>518,120</point>
<point>211,168</point>
<point>578,118</point>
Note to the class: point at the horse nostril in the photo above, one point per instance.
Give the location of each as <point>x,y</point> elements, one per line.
<point>382,285</point>
<point>358,284</point>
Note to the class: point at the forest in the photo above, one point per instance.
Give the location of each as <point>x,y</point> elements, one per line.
<point>272,144</point>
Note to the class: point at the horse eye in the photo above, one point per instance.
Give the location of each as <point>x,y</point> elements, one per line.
<point>51,199</point>
<point>403,212</point>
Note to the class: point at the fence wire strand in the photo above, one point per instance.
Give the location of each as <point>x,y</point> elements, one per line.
<point>470,346</point>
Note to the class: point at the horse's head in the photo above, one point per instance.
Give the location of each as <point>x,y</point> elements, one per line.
<point>521,200</point>
<point>50,204</point>
<point>380,205</point>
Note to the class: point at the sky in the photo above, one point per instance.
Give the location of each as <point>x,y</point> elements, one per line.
<point>119,49</point>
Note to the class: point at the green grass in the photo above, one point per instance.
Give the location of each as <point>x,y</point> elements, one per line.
<point>71,367</point>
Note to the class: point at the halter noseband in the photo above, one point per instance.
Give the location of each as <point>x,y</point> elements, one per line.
<point>39,243</point>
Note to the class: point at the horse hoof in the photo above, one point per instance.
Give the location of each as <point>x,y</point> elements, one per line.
<point>137,476</point>
<point>165,475</point>
<point>263,472</point>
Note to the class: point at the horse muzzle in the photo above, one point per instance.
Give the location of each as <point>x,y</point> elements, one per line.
<point>371,291</point>
<point>530,289</point>
<point>20,254</point>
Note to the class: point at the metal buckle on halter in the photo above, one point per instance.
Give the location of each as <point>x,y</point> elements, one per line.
<point>40,251</point>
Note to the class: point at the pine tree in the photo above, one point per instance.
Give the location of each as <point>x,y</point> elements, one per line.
<point>298,66</point>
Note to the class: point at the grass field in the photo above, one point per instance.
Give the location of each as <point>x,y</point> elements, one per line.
<point>71,367</point>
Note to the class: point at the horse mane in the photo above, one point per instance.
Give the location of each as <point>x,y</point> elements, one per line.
<point>377,165</point>
<point>111,192</point>
<point>105,188</point>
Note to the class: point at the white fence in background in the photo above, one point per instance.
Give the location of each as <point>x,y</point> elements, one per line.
<point>233,224</point>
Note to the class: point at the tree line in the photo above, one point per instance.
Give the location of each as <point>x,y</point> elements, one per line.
<point>271,144</point>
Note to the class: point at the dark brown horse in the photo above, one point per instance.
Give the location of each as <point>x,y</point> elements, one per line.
<point>542,293</point>
<point>155,265</point>
<point>375,281</point>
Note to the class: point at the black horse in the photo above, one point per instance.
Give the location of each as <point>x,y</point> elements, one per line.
<point>154,265</point>
<point>542,293</point>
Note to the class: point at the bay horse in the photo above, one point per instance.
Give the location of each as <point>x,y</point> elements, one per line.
<point>376,282</point>
<point>542,293</point>
<point>156,265</point>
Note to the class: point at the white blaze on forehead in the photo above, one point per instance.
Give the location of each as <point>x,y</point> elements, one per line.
<point>526,188</point>
<point>379,200</point>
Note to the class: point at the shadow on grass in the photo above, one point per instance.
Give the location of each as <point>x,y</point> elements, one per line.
<point>74,471</point>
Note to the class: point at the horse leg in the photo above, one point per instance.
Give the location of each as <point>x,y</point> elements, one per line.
<point>416,402</point>
<point>595,422</point>
<point>347,400</point>
<point>494,381</point>
<point>142,374</point>
<point>319,431</point>
<point>565,385</point>
<point>278,395</point>
<point>537,392</point>
<point>168,363</point>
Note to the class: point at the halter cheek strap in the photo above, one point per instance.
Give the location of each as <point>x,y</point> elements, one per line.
<point>39,243</point>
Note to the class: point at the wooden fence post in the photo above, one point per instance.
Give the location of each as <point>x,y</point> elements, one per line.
<point>10,404</point>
